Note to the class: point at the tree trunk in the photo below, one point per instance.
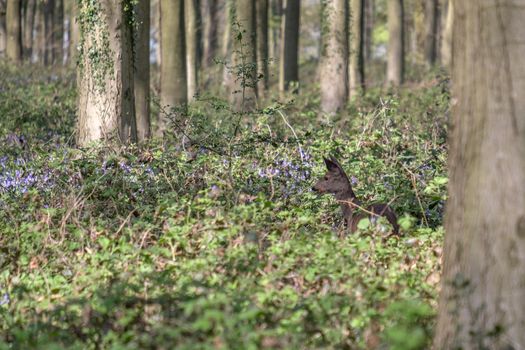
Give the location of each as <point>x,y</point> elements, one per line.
<point>481,301</point>
<point>262,45</point>
<point>446,44</point>
<point>396,57</point>
<point>368,29</point>
<point>3,29</point>
<point>173,82</point>
<point>74,35</point>
<point>333,64</point>
<point>105,82</point>
<point>142,69</point>
<point>29,22</point>
<point>210,33</point>
<point>39,40</point>
<point>431,24</point>
<point>289,56</point>
<point>192,46</point>
<point>58,33</point>
<point>357,61</point>
<point>49,37</point>
<point>14,31</point>
<point>244,94</point>
<point>276,7</point>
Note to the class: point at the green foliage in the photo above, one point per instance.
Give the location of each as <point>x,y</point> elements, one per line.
<point>218,242</point>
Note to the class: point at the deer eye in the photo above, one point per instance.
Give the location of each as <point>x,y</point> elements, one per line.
<point>326,178</point>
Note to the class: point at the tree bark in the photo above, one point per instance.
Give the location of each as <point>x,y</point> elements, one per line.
<point>446,44</point>
<point>173,81</point>
<point>368,29</point>
<point>58,33</point>
<point>334,56</point>
<point>396,56</point>
<point>276,9</point>
<point>192,46</point>
<point>29,22</point>
<point>262,45</point>
<point>14,31</point>
<point>105,82</point>
<point>431,25</point>
<point>142,69</point>
<point>3,30</point>
<point>357,61</point>
<point>483,284</point>
<point>289,56</point>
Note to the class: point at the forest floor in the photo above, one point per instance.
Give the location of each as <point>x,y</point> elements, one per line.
<point>213,238</point>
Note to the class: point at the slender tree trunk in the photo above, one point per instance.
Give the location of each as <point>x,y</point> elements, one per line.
<point>173,81</point>
<point>14,31</point>
<point>446,45</point>
<point>49,37</point>
<point>142,69</point>
<point>334,56</point>
<point>262,45</point>
<point>396,56</point>
<point>58,33</point>
<point>3,29</point>
<point>192,45</point>
<point>74,35</point>
<point>39,40</point>
<point>105,84</point>
<point>481,301</point>
<point>289,56</point>
<point>210,33</point>
<point>275,28</point>
<point>244,94</point>
<point>29,22</point>
<point>431,25</point>
<point>155,22</point>
<point>368,29</point>
<point>357,61</point>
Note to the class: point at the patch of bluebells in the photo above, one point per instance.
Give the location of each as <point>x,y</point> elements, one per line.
<point>19,181</point>
<point>292,175</point>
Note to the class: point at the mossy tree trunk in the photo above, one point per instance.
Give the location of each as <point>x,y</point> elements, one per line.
<point>333,66</point>
<point>173,81</point>
<point>289,56</point>
<point>262,45</point>
<point>192,46</point>
<point>431,26</point>
<point>14,31</point>
<point>396,56</point>
<point>357,59</point>
<point>105,81</point>
<point>483,281</point>
<point>142,69</point>
<point>39,39</point>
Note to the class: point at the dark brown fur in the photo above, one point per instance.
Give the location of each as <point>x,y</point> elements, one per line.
<point>336,182</point>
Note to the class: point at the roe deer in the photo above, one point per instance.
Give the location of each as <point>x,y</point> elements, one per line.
<point>336,182</point>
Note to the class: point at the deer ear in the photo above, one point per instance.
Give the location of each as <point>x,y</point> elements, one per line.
<point>331,165</point>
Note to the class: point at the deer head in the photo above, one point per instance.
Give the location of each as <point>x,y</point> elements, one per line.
<point>335,180</point>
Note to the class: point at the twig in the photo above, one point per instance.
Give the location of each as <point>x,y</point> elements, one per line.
<point>413,180</point>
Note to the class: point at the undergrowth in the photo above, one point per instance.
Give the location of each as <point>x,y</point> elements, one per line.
<point>206,241</point>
